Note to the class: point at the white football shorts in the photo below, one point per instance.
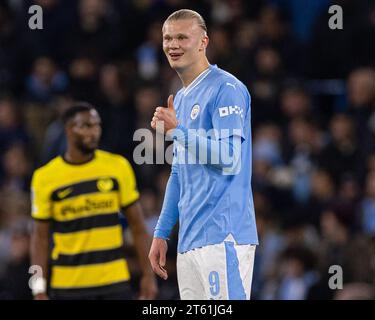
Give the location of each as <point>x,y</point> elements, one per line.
<point>216,272</point>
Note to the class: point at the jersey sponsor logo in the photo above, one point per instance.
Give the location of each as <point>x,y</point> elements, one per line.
<point>88,206</point>
<point>105,185</point>
<point>64,193</point>
<point>194,111</point>
<point>226,111</point>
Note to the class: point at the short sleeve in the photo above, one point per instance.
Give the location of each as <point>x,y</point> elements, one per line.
<point>127,182</point>
<point>229,110</point>
<point>40,199</point>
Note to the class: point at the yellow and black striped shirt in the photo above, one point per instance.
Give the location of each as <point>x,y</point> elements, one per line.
<point>83,203</point>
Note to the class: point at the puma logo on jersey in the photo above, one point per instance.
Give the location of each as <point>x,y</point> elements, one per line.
<point>231,84</point>
<point>64,193</point>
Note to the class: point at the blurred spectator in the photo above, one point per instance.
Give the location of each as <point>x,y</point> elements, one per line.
<point>296,274</point>
<point>272,27</point>
<point>304,142</point>
<point>16,166</point>
<point>226,11</point>
<point>272,243</point>
<point>95,32</point>
<point>322,192</point>
<point>349,188</point>
<point>267,144</point>
<point>361,95</point>
<point>10,53</point>
<point>267,62</point>
<point>341,245</point>
<point>337,222</point>
<point>362,48</point>
<point>151,209</point>
<point>47,42</point>
<point>368,205</point>
<point>45,80</point>
<point>303,15</point>
<point>149,53</point>
<point>361,88</point>
<point>84,79</point>
<point>274,32</point>
<point>117,110</point>
<point>271,176</point>
<point>220,51</point>
<point>341,157</point>
<point>15,278</point>
<point>54,142</point>
<point>245,40</point>
<point>264,82</point>
<point>12,129</point>
<point>295,103</point>
<point>14,215</point>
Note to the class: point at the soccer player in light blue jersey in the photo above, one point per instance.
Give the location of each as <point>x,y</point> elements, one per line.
<point>209,189</point>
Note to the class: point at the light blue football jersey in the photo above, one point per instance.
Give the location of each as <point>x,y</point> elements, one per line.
<point>213,205</point>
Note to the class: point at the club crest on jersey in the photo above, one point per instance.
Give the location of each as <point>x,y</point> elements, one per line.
<point>194,111</point>
<point>105,184</point>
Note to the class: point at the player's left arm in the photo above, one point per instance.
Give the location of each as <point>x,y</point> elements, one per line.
<point>142,243</point>
<point>224,151</point>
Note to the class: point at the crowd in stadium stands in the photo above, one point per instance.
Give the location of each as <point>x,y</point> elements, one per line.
<point>313,123</point>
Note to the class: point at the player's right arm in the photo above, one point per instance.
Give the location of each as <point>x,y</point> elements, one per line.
<point>167,219</point>
<point>39,246</point>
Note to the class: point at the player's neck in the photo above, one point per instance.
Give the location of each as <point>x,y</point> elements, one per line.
<point>189,75</point>
<point>75,156</point>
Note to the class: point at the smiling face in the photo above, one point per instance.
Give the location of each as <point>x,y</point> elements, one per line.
<point>184,43</point>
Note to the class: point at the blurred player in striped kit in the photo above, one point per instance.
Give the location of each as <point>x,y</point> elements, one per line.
<point>77,198</point>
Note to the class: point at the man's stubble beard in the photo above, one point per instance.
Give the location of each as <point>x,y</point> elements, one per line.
<point>85,149</point>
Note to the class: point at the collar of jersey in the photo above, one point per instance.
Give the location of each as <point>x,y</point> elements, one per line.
<point>77,164</point>
<point>197,80</point>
